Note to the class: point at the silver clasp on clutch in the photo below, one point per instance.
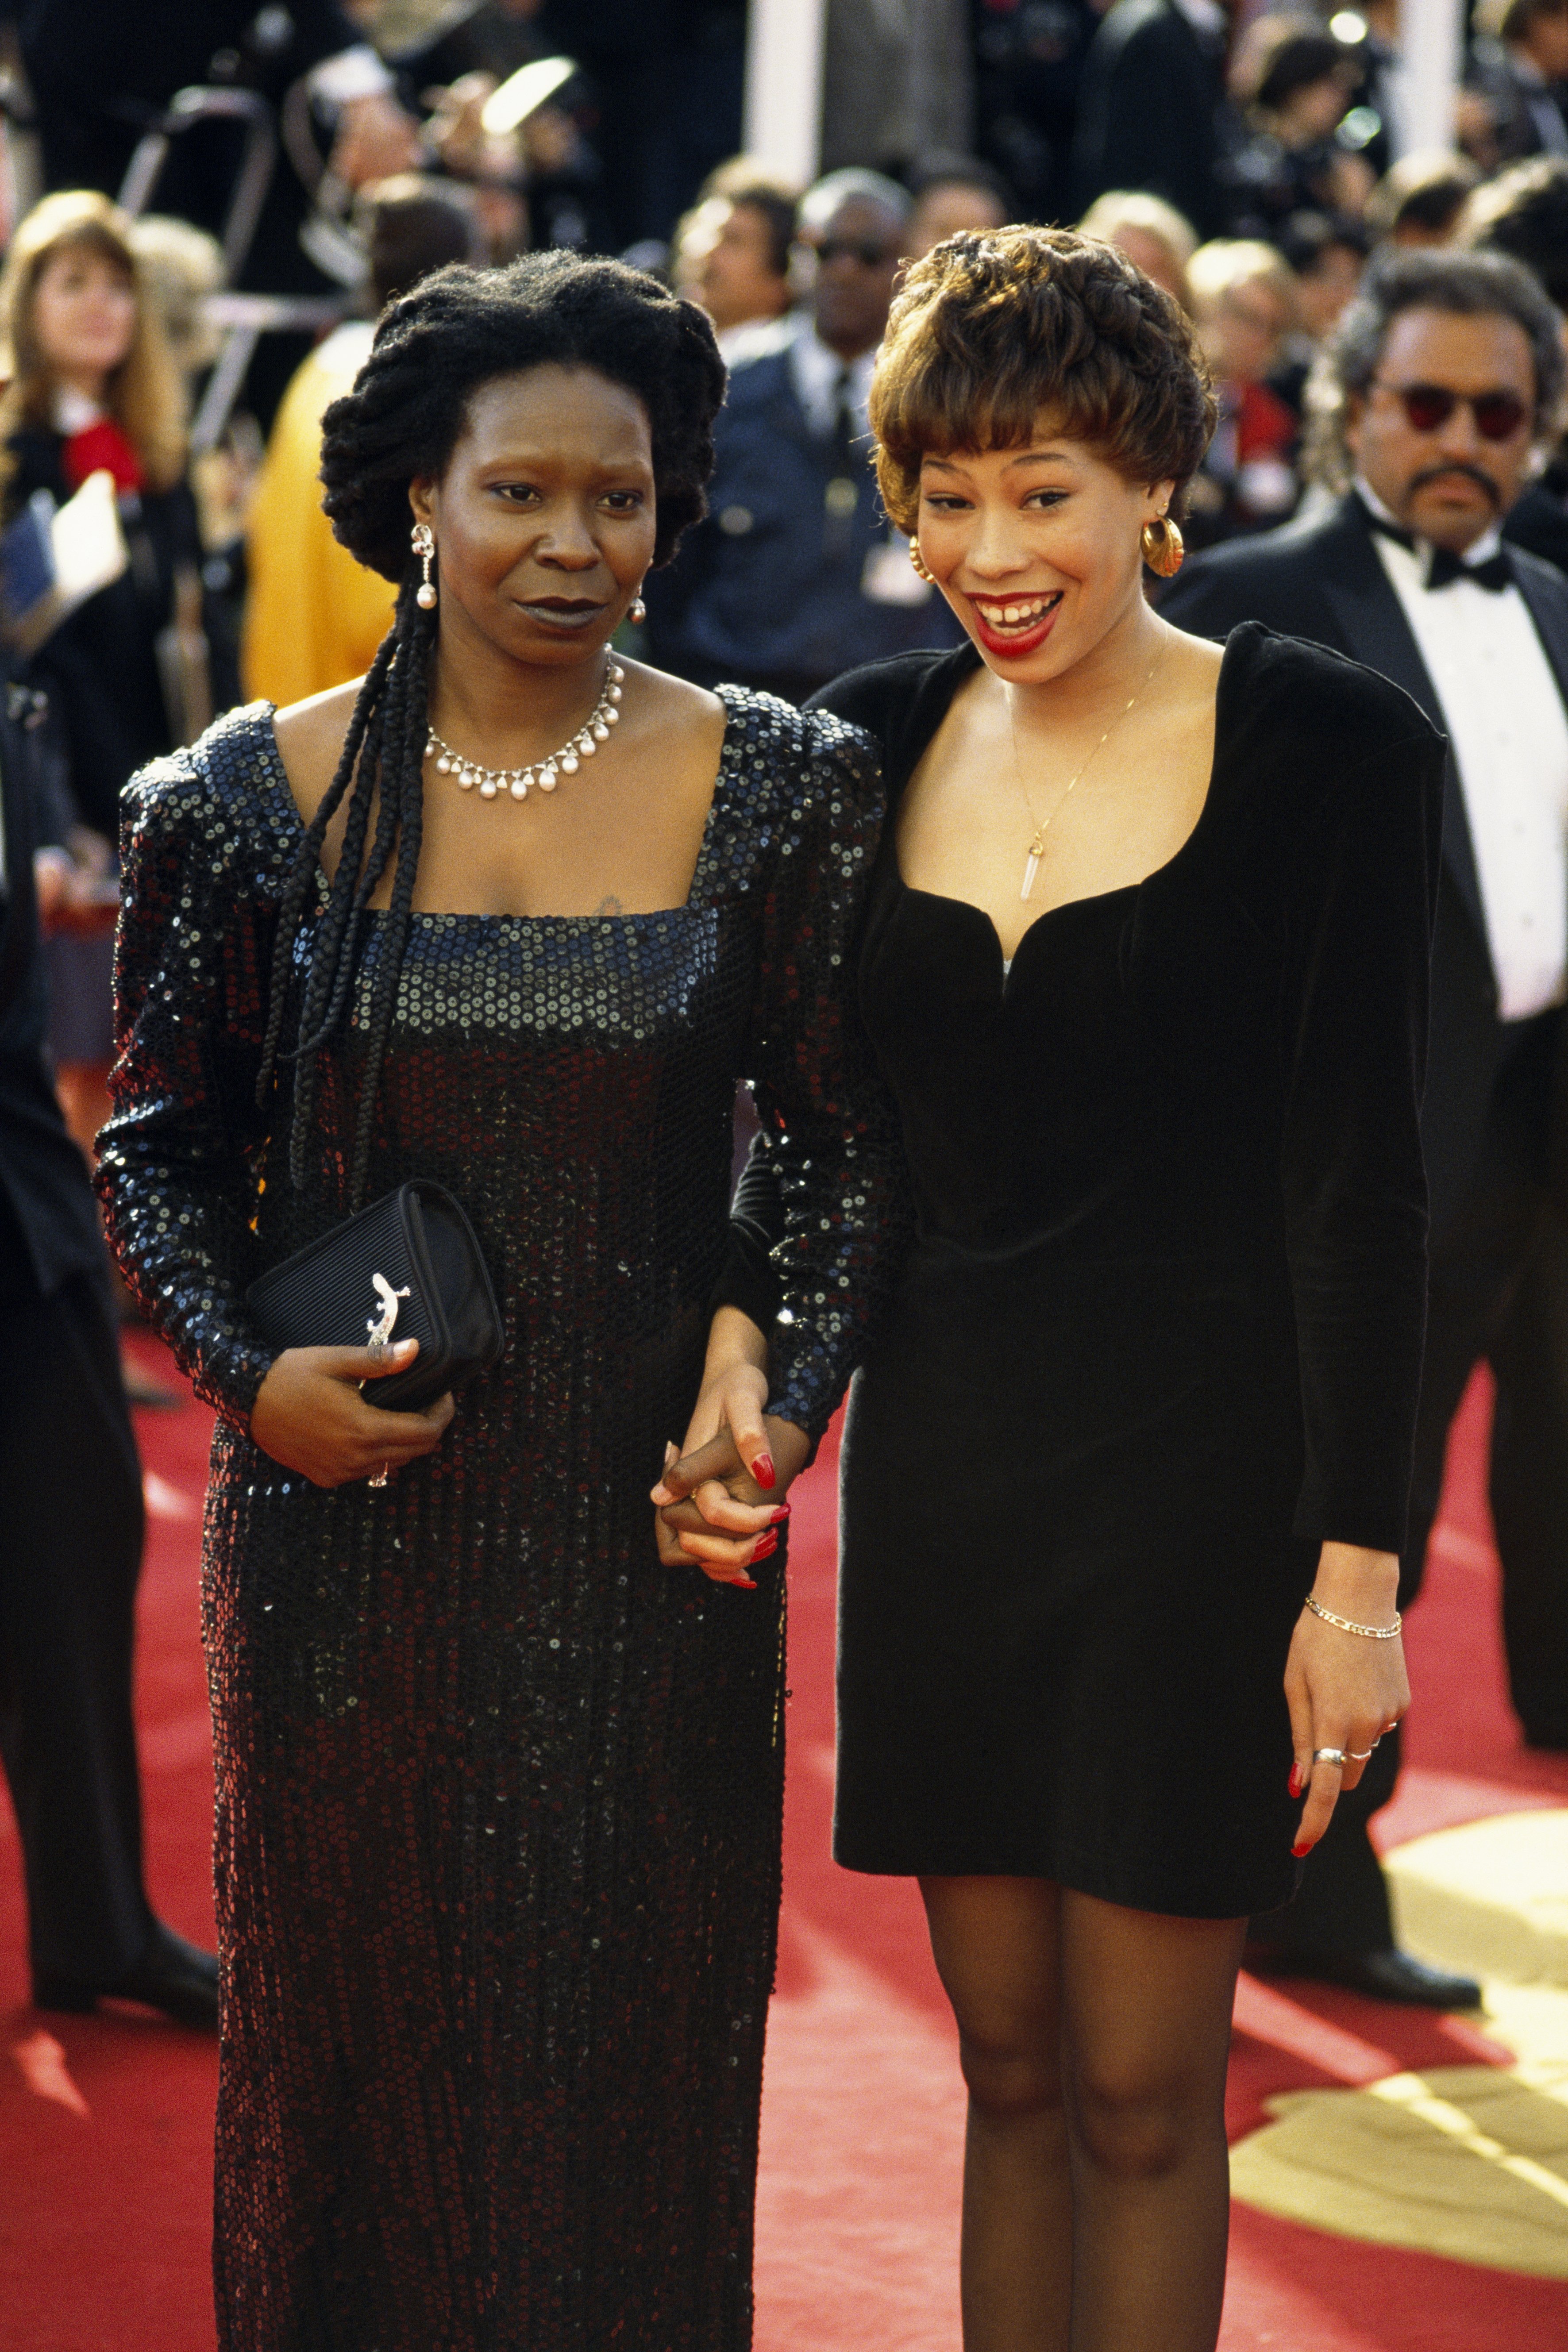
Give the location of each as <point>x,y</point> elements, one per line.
<point>380,1327</point>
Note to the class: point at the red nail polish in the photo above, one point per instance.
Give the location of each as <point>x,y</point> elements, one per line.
<point>768,1543</point>
<point>781,1511</point>
<point>746,1583</point>
<point>1300,1850</point>
<point>1295,1781</point>
<point>763,1470</point>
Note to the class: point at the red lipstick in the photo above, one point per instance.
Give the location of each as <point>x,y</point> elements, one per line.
<point>1012,647</point>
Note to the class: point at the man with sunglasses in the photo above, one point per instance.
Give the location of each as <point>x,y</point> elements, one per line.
<point>1430,406</point>
<point>795,574</point>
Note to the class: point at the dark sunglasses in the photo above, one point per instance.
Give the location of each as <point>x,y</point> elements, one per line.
<point>1428,406</point>
<point>848,248</point>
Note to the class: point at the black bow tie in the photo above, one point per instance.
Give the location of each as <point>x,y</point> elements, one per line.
<point>1443,568</point>
<point>1494,574</point>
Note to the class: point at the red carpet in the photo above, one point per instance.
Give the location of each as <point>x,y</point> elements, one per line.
<point>105,2122</point>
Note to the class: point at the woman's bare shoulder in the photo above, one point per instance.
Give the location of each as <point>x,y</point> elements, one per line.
<point>683,723</point>
<point>672,703</point>
<point>310,741</point>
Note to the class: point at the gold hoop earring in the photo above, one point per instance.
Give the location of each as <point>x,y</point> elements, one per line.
<point>1162,547</point>
<point>422,540</point>
<point>918,559</point>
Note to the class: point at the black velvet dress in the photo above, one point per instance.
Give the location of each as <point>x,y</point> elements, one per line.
<point>498,1796</point>
<point>1160,1334</point>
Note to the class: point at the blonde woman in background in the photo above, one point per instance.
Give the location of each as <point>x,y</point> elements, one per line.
<point>93,388</point>
<point>1244,299</point>
<point>1155,237</point>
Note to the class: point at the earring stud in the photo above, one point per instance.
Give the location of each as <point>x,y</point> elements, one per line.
<point>422,540</point>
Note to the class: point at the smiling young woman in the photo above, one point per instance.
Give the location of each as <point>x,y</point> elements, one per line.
<point>1145,965</point>
<point>499,1773</point>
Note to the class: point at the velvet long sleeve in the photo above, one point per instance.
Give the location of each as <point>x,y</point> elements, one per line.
<point>180,1158</point>
<point>1353,1048</point>
<point>1170,1270</point>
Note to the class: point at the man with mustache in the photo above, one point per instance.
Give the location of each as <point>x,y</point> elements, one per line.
<point>1436,391</point>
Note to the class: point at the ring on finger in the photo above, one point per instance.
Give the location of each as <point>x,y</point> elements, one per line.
<point>1329,1756</point>
<point>381,1475</point>
<point>1358,1755</point>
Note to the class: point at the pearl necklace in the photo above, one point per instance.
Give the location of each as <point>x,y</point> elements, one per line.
<point>546,772</point>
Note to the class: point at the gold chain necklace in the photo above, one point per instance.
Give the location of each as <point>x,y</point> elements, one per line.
<point>1037,843</point>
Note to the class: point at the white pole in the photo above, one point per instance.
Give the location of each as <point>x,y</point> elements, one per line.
<point>783,86</point>
<point>1431,63</point>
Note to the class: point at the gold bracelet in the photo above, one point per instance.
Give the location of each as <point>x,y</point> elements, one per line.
<point>1349,1625</point>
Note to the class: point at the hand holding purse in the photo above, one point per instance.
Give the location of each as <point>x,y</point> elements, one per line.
<point>409,1265</point>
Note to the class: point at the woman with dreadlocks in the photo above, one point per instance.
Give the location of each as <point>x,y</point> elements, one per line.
<point>498,1785</point>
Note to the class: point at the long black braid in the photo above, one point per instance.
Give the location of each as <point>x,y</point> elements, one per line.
<point>459,329</point>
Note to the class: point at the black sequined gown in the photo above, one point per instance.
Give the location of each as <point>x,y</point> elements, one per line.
<point>499,1797</point>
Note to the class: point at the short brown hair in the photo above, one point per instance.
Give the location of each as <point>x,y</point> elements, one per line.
<point>991,327</point>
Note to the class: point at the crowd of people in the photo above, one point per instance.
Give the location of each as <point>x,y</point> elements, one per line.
<point>1327,371</point>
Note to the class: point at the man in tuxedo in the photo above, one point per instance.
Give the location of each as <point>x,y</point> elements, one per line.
<point>71,1524</point>
<point>1437,390</point>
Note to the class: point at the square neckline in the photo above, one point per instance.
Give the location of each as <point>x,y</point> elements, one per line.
<point>276,776</point>
<point>1009,963</point>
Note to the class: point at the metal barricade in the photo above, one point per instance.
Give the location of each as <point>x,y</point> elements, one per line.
<point>257,162</point>
<point>243,318</point>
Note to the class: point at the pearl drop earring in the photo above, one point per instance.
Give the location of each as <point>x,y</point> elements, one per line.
<point>424,542</point>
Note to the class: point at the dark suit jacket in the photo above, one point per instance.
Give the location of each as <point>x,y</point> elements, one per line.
<point>1323,579</point>
<point>1147,112</point>
<point>1527,115</point>
<point>49,1221</point>
<point>100,667</point>
<point>1539,522</point>
<point>754,593</point>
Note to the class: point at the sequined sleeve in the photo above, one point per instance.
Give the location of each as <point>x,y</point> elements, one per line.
<point>829,1135</point>
<point>178,1160</point>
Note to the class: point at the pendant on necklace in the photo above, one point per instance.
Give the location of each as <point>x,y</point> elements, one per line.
<point>1032,866</point>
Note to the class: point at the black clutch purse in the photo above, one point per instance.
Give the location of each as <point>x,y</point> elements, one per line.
<point>408,1265</point>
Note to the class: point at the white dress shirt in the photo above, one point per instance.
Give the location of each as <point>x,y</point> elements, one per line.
<point>815,371</point>
<point>1503,712</point>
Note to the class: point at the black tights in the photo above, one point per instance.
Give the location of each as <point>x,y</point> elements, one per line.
<point>1096,2182</point>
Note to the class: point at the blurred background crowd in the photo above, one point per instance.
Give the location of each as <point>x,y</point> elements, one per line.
<point>204,207</point>
<point>204,204</point>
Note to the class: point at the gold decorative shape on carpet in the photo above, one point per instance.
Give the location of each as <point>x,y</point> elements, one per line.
<point>1469,2162</point>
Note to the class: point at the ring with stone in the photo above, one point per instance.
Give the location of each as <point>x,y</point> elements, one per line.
<point>380,1477</point>
<point>1329,1756</point>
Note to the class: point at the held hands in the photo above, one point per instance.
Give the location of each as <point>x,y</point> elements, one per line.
<point>1344,1690</point>
<point>310,1415</point>
<point>721,1503</point>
